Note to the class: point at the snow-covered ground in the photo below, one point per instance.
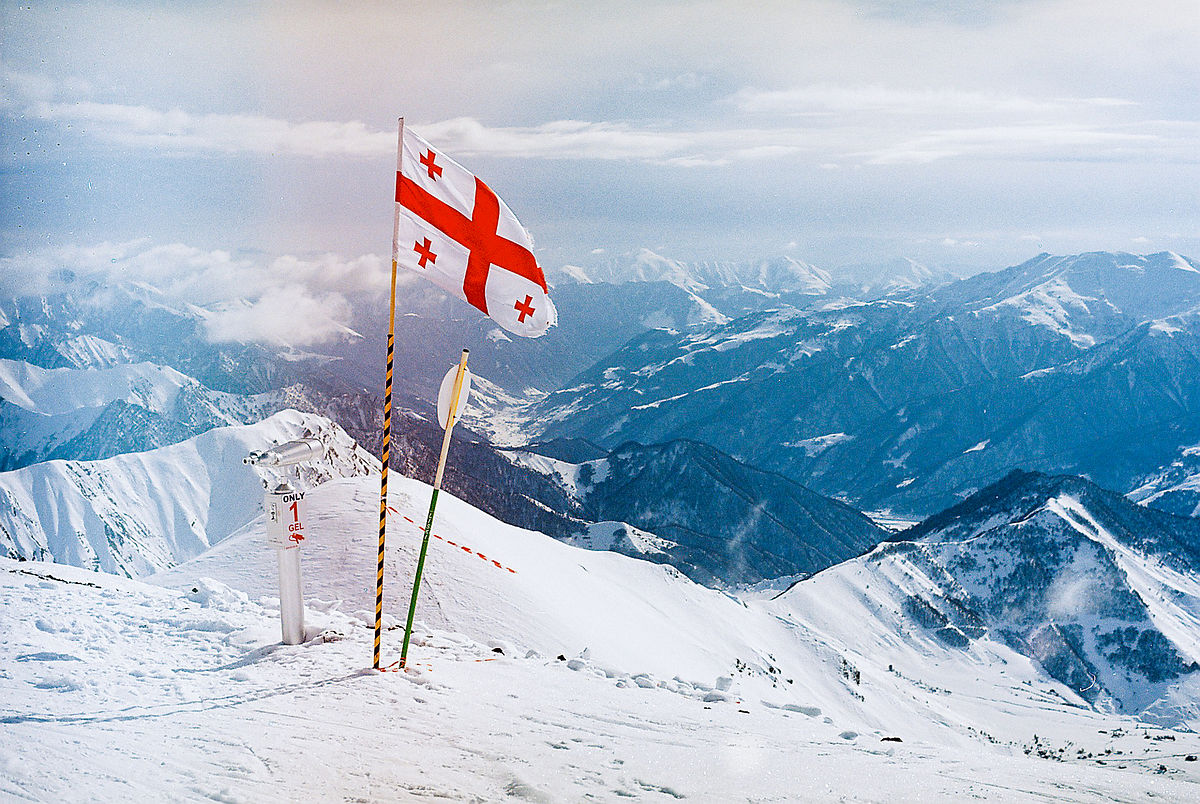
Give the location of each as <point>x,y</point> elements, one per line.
<point>116,690</point>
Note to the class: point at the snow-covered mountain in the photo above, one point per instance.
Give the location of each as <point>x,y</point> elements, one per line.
<point>687,504</point>
<point>93,413</point>
<point>610,678</point>
<point>76,381</point>
<point>138,513</point>
<point>898,275</point>
<point>1102,593</point>
<point>432,328</point>
<point>101,411</point>
<point>1039,639</point>
<point>1081,365</point>
<point>718,520</point>
<point>1174,488</point>
<point>802,645</point>
<point>99,326</point>
<point>781,275</point>
<point>1085,298</point>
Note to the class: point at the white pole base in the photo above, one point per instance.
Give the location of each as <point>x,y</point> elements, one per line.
<point>291,596</point>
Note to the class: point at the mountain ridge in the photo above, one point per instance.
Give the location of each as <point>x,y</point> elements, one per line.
<point>1104,594</point>
<point>918,401</point>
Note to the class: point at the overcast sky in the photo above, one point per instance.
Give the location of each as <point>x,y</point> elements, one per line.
<point>962,133</point>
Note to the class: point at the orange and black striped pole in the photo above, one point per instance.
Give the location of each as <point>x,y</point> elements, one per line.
<point>387,417</point>
<point>383,482</point>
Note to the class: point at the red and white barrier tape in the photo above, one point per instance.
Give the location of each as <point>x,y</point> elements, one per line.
<point>462,547</point>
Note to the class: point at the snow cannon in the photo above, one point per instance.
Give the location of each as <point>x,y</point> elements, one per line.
<point>289,454</point>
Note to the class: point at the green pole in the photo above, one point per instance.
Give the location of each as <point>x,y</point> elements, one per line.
<point>437,485</point>
<point>412,603</point>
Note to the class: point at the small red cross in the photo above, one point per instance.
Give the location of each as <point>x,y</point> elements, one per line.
<point>525,308</point>
<point>424,249</point>
<point>435,171</point>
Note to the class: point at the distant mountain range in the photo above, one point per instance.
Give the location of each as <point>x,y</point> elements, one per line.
<point>1175,488</point>
<point>683,503</point>
<point>782,275</point>
<point>723,407</point>
<point>90,413</point>
<point>717,519</point>
<point>99,404</point>
<point>1083,365</point>
<point>99,326</point>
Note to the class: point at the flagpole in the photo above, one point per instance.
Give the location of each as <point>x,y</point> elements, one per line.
<point>387,410</point>
<point>437,485</point>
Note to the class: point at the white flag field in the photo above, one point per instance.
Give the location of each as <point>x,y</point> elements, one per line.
<point>453,229</point>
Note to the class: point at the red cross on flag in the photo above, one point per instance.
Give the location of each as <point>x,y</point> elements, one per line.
<point>452,229</point>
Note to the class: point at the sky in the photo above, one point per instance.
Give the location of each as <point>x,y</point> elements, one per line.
<point>961,133</point>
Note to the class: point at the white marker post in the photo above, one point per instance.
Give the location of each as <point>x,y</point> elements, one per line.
<point>285,532</point>
<point>285,529</point>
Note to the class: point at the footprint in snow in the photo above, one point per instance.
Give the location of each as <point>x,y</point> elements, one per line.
<point>811,711</point>
<point>657,788</point>
<point>58,683</point>
<point>47,656</point>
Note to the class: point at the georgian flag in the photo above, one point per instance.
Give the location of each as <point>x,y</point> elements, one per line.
<point>453,230</point>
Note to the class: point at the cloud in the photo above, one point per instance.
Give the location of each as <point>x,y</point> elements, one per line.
<point>1025,142</point>
<point>716,129</point>
<point>177,130</point>
<point>872,124</point>
<point>17,85</point>
<point>960,12</point>
<point>579,139</point>
<point>291,315</point>
<point>561,139</point>
<point>885,125</point>
<point>683,81</point>
<point>288,300</point>
<point>828,98</point>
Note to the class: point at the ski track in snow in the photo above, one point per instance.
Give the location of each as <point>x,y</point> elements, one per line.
<point>120,690</point>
